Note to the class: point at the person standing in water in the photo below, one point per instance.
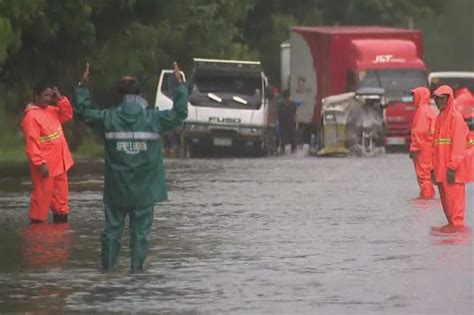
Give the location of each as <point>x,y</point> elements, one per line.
<point>134,171</point>
<point>421,146</point>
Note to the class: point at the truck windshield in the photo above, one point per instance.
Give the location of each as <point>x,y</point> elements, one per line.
<point>396,82</point>
<point>240,91</point>
<point>455,83</point>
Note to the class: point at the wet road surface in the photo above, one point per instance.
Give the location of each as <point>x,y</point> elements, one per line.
<point>286,235</point>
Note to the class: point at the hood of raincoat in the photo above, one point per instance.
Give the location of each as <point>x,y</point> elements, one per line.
<point>446,90</point>
<point>33,106</point>
<point>421,96</point>
<point>131,106</point>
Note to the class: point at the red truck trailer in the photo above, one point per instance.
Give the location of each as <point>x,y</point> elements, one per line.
<point>327,61</point>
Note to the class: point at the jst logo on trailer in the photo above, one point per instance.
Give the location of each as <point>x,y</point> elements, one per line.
<point>386,59</point>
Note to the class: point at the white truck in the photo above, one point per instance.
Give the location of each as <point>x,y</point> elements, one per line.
<point>455,79</point>
<point>228,107</point>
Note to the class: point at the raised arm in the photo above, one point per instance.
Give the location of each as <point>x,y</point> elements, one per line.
<point>85,112</point>
<point>171,119</point>
<point>83,104</point>
<point>63,108</point>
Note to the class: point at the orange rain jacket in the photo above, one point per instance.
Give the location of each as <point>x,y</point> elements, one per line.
<point>44,136</point>
<point>465,102</point>
<point>450,141</point>
<point>423,122</point>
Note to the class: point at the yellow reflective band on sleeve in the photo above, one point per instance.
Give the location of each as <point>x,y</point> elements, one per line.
<point>50,137</point>
<point>470,142</point>
<point>443,141</point>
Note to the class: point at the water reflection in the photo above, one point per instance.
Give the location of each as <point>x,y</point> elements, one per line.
<point>421,203</point>
<point>425,208</point>
<point>451,235</point>
<point>46,246</point>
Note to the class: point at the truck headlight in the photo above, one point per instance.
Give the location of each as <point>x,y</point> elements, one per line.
<point>251,131</point>
<point>330,117</point>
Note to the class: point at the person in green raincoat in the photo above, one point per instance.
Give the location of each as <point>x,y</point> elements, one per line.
<point>134,178</point>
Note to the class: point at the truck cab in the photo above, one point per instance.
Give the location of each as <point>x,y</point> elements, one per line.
<point>394,66</point>
<point>227,109</point>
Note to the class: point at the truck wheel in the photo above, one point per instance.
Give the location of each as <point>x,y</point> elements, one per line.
<point>259,149</point>
<point>268,145</point>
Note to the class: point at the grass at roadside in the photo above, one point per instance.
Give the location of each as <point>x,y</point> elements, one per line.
<point>11,139</point>
<point>16,154</point>
<point>12,154</point>
<point>12,144</point>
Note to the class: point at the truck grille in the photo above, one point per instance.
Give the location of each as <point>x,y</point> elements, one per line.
<point>223,132</point>
<point>399,129</point>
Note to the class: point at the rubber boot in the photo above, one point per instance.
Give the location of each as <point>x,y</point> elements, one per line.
<point>59,218</point>
<point>110,250</point>
<point>111,236</point>
<point>141,220</point>
<point>34,221</point>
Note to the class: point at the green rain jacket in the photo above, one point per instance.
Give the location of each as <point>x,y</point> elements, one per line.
<point>134,171</point>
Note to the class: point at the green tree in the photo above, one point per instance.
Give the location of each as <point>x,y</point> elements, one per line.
<point>449,38</point>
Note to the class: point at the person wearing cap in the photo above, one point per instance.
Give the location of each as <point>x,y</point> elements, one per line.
<point>422,140</point>
<point>449,152</point>
<point>134,177</point>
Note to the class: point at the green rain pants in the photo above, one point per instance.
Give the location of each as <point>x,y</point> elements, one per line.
<point>141,219</point>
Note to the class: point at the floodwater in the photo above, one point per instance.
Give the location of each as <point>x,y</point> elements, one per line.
<point>278,235</point>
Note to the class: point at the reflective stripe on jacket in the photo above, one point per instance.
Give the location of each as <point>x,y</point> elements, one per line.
<point>44,137</point>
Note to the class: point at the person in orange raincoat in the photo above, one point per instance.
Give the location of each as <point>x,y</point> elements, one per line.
<point>48,153</point>
<point>465,105</point>
<point>422,140</point>
<point>449,156</point>
<point>464,102</point>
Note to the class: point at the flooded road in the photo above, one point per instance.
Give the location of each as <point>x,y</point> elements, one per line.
<point>287,235</point>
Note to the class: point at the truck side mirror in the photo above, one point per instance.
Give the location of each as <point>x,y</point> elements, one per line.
<point>383,102</point>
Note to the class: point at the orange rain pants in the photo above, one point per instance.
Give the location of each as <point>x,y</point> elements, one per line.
<point>422,140</point>
<point>48,193</point>
<point>453,199</point>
